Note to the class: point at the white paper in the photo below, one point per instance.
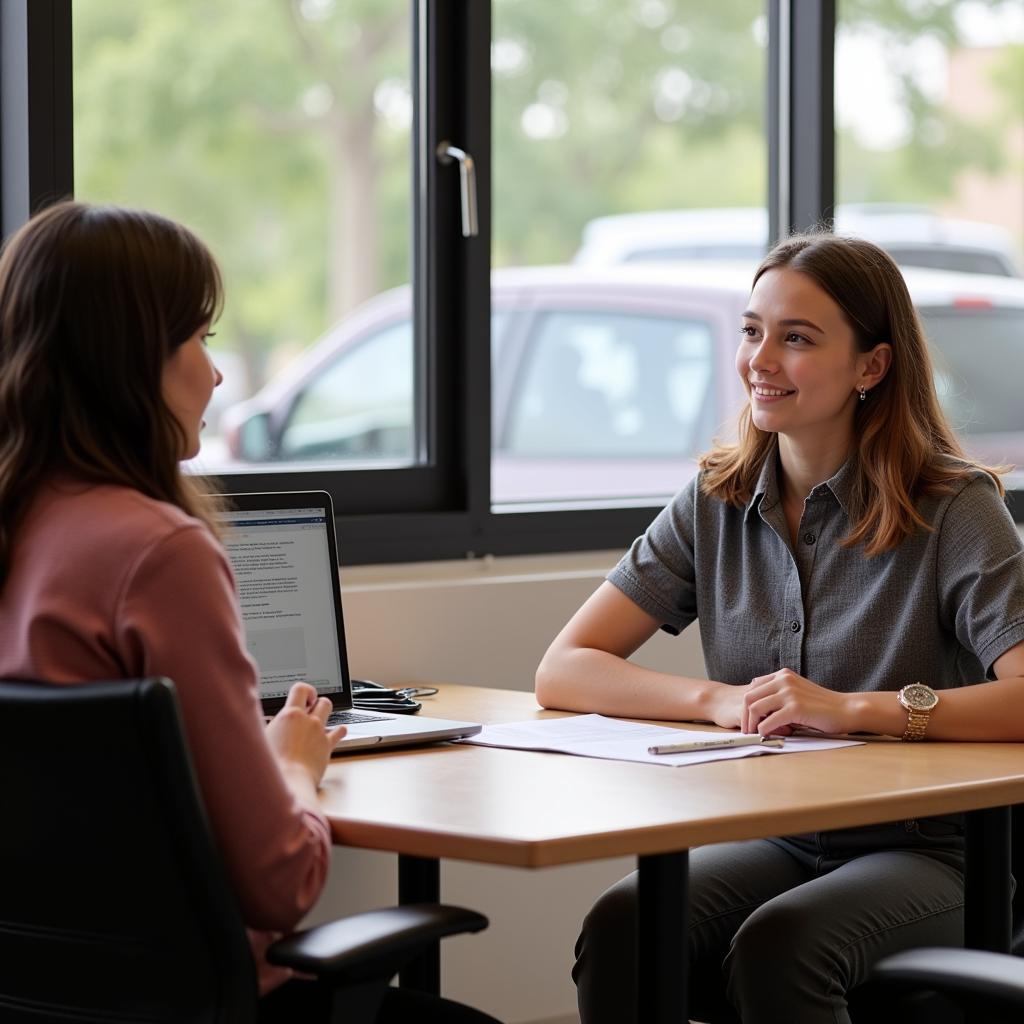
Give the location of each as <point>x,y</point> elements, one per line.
<point>615,740</point>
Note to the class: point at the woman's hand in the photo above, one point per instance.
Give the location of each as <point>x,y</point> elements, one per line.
<point>775,704</point>
<point>727,705</point>
<point>298,733</point>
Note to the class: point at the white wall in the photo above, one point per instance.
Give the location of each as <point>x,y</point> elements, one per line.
<point>485,623</point>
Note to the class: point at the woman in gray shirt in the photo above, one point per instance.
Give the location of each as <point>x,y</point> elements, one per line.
<point>851,571</point>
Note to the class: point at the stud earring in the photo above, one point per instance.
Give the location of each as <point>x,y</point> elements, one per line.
<point>863,394</point>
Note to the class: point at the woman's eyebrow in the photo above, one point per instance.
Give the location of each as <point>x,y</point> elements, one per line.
<point>749,314</point>
<point>797,322</point>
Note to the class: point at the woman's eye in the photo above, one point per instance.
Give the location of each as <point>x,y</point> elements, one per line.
<point>748,331</point>
<point>797,338</point>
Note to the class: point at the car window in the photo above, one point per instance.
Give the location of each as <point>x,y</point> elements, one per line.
<point>979,367</point>
<point>360,406</point>
<point>613,385</point>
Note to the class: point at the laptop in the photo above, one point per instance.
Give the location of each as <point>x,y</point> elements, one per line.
<point>284,554</point>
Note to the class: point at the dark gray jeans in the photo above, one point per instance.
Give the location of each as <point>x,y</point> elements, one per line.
<point>782,929</point>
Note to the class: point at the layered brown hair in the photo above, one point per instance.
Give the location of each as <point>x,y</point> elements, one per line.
<point>902,440</point>
<point>93,302</point>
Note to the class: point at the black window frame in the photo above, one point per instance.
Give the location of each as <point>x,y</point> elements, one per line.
<point>441,509</point>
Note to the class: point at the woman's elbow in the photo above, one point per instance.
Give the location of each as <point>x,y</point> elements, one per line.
<point>549,682</point>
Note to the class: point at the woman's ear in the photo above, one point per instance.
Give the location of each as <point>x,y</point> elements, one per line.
<point>875,365</point>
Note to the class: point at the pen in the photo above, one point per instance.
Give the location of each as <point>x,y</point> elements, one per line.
<point>719,743</point>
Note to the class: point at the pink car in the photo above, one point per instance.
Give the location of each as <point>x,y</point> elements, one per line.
<point>608,382</point>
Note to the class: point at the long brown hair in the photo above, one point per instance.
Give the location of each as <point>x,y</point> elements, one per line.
<point>93,302</point>
<point>901,435</point>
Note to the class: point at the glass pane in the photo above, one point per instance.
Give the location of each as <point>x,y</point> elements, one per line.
<point>629,149</point>
<point>930,128</point>
<point>279,132</point>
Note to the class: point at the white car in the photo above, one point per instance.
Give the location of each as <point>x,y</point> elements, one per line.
<point>912,235</point>
<point>607,383</point>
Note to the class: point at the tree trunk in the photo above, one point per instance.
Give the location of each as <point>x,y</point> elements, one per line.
<point>353,248</point>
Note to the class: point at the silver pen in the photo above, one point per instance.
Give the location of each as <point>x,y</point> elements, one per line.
<point>719,743</point>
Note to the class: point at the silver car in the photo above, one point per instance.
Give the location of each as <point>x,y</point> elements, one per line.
<point>913,235</point>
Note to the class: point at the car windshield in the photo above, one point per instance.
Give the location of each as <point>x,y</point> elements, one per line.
<point>979,367</point>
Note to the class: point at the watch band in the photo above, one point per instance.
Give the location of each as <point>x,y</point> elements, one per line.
<point>917,724</point>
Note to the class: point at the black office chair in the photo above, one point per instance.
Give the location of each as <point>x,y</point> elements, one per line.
<point>946,986</point>
<point>113,902</point>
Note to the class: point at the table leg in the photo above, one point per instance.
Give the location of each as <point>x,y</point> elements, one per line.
<point>987,910</point>
<point>419,881</point>
<point>663,920</point>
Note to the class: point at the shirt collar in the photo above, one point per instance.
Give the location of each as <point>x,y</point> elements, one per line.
<point>766,491</point>
<point>841,484</point>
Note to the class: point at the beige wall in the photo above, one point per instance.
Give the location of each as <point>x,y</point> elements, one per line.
<point>485,623</point>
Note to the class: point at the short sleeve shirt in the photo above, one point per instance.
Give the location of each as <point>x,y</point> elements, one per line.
<point>940,608</point>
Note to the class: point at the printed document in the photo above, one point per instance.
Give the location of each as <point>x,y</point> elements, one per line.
<point>616,740</point>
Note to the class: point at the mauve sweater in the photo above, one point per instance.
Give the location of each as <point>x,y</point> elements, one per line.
<point>106,583</point>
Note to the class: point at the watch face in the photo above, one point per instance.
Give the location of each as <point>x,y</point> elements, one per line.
<point>919,697</point>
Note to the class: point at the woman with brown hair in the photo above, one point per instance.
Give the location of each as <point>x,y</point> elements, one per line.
<point>109,564</point>
<point>851,571</point>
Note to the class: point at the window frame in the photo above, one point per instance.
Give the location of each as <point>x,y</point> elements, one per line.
<point>440,509</point>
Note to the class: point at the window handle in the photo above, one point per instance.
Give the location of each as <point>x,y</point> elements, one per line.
<point>446,153</point>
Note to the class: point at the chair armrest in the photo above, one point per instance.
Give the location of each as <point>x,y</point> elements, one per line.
<point>968,976</point>
<point>372,945</point>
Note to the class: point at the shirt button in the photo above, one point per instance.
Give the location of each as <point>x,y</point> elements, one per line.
<point>809,538</point>
<point>795,626</point>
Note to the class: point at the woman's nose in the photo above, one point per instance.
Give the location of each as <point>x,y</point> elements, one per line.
<point>763,360</point>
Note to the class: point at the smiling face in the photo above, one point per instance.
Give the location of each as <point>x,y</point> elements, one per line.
<point>187,384</point>
<point>799,360</point>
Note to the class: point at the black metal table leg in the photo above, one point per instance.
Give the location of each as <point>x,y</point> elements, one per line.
<point>663,908</point>
<point>419,881</point>
<point>987,893</point>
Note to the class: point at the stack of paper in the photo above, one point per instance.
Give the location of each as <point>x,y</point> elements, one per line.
<point>615,740</point>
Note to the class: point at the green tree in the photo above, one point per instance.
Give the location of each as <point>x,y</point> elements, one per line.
<point>254,121</point>
<point>606,106</point>
<point>939,144</point>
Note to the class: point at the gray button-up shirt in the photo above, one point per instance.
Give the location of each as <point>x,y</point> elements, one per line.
<point>940,608</point>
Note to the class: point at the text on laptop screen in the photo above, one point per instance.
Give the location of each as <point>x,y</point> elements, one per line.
<point>281,561</point>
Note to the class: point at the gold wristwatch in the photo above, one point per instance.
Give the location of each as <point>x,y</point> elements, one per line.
<point>920,701</point>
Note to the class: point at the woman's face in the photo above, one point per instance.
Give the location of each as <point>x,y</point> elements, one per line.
<point>798,359</point>
<point>187,385</point>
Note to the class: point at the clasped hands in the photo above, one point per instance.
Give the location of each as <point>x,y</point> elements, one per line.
<point>778,703</point>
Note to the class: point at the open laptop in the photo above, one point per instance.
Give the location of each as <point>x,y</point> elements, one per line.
<point>284,554</point>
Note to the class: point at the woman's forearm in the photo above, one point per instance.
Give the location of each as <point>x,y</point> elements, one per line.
<point>992,711</point>
<point>590,680</point>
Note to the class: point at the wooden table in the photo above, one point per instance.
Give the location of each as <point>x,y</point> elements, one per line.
<point>531,810</point>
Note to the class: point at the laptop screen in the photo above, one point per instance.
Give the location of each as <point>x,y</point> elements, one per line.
<point>282,553</point>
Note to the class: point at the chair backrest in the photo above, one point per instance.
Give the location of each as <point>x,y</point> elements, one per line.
<point>113,902</point>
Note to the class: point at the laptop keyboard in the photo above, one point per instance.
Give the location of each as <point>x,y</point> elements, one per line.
<point>354,718</point>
